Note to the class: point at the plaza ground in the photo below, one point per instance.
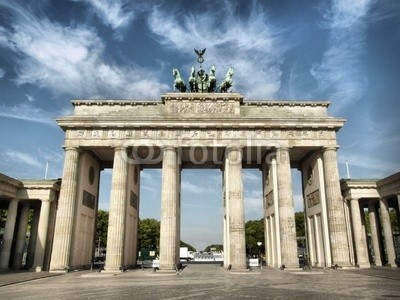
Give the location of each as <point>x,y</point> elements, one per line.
<point>206,281</point>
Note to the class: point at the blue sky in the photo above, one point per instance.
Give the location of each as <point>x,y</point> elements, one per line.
<point>347,52</point>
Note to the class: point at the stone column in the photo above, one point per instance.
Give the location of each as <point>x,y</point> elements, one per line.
<point>8,234</point>
<point>318,248</point>
<point>32,239</point>
<point>287,224</point>
<point>169,210</point>
<point>234,198</point>
<point>65,212</point>
<point>375,233</point>
<point>336,218</point>
<point>359,236</point>
<point>116,221</point>
<point>41,236</point>
<point>387,233</point>
<point>21,237</point>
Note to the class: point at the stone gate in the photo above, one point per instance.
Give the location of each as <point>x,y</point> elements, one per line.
<point>200,130</point>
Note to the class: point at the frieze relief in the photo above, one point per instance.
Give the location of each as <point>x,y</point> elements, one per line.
<point>313,199</point>
<point>269,199</point>
<point>253,134</point>
<point>201,108</point>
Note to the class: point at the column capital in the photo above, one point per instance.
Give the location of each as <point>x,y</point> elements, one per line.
<point>71,148</point>
<point>282,148</point>
<point>120,148</point>
<point>330,148</point>
<point>233,147</point>
<point>170,148</point>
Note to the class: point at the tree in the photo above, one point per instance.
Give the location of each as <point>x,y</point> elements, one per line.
<point>254,233</point>
<point>218,248</point>
<point>190,247</point>
<point>300,226</point>
<point>149,234</point>
<point>102,227</point>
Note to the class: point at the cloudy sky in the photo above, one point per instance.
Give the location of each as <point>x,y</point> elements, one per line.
<point>347,52</point>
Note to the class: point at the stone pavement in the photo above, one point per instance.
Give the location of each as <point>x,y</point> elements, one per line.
<point>210,282</point>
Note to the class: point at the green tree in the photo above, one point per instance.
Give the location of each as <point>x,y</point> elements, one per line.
<point>149,234</point>
<point>254,233</point>
<point>300,226</point>
<point>102,227</point>
<point>190,247</point>
<point>218,248</point>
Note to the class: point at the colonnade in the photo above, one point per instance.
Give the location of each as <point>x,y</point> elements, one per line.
<point>170,211</point>
<point>382,244</point>
<point>15,235</point>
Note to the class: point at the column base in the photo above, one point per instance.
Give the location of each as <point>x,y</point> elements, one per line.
<point>59,269</point>
<point>36,269</point>
<point>167,271</point>
<point>239,270</point>
<point>363,266</point>
<point>112,270</point>
<point>391,265</point>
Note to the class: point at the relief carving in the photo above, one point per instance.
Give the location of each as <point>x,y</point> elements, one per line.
<point>113,134</point>
<point>202,108</point>
<point>80,133</point>
<point>313,199</point>
<point>269,199</point>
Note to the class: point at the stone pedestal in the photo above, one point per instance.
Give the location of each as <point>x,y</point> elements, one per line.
<point>8,235</point>
<point>65,213</point>
<point>116,221</point>
<point>359,235</point>
<point>170,206</point>
<point>336,218</point>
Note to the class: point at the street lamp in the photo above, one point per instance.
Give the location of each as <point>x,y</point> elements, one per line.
<point>259,253</point>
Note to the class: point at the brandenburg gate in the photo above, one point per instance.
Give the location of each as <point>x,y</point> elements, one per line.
<point>200,130</point>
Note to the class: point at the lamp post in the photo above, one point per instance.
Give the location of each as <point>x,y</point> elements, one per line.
<point>259,253</point>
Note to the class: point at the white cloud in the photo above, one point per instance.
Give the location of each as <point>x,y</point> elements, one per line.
<point>377,167</point>
<point>27,112</point>
<point>339,74</point>
<point>69,60</point>
<point>21,158</point>
<point>252,176</point>
<point>249,44</point>
<point>30,98</point>
<point>2,73</point>
<point>191,188</point>
<point>115,13</point>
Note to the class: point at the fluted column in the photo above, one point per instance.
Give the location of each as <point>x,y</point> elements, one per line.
<point>116,221</point>
<point>32,239</point>
<point>8,234</point>
<point>21,237</point>
<point>286,210</point>
<point>387,232</point>
<point>359,235</point>
<point>65,212</point>
<point>375,233</point>
<point>169,209</point>
<point>41,236</point>
<point>336,218</point>
<point>234,198</point>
